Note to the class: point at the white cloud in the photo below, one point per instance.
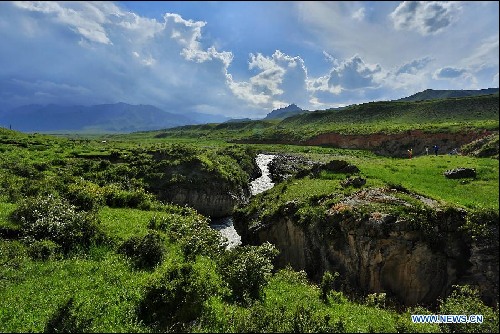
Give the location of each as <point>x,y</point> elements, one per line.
<point>281,77</point>
<point>425,17</point>
<point>495,80</point>
<point>351,74</point>
<point>86,19</point>
<point>486,55</point>
<point>359,14</point>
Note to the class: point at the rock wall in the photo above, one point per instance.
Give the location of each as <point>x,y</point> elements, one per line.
<point>389,144</point>
<point>209,200</point>
<point>382,252</point>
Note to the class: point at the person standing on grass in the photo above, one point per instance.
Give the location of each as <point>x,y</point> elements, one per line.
<point>426,150</point>
<point>410,153</point>
<point>436,148</point>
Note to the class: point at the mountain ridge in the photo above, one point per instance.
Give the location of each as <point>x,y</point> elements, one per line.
<point>430,94</point>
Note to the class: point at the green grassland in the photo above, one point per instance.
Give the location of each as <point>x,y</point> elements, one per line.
<point>85,247</point>
<point>438,115</point>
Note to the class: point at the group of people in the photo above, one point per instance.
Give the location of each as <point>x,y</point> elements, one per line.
<point>436,149</point>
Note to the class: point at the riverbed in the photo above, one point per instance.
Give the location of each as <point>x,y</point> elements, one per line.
<point>260,184</point>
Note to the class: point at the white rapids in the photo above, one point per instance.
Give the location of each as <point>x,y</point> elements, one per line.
<point>225,225</point>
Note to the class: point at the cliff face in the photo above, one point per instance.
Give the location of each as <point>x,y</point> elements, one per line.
<point>209,200</point>
<point>415,262</point>
<point>388,144</point>
<point>208,184</point>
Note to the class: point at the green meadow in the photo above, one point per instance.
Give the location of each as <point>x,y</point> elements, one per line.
<point>87,246</point>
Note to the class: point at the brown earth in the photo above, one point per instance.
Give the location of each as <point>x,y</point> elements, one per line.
<point>388,144</point>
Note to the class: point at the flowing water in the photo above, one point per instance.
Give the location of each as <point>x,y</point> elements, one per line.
<point>261,184</point>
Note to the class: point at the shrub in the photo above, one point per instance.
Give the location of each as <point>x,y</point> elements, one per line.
<point>466,301</point>
<point>119,198</point>
<point>43,250</point>
<point>147,251</point>
<point>85,195</point>
<point>54,219</point>
<point>175,296</point>
<point>192,232</point>
<point>327,284</point>
<point>247,270</point>
<point>481,224</point>
<point>376,300</point>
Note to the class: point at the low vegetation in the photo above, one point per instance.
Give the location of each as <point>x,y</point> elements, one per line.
<point>86,246</point>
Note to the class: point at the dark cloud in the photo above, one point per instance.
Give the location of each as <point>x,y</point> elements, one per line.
<point>414,66</point>
<point>449,73</point>
<point>425,17</point>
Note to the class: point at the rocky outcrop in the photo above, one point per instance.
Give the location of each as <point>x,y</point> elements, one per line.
<point>414,257</point>
<point>356,182</point>
<point>285,166</point>
<point>484,147</point>
<point>460,173</point>
<point>211,187</point>
<point>211,201</point>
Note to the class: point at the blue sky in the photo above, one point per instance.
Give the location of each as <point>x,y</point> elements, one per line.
<point>242,59</point>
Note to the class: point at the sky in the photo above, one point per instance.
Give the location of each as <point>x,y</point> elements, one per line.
<point>242,59</point>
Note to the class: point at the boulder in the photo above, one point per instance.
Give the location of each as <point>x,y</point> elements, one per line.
<point>460,173</point>
<point>356,182</point>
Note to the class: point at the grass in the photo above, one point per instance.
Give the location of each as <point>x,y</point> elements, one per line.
<point>99,290</point>
<point>424,175</point>
<point>124,223</point>
<point>440,115</point>
<point>105,293</point>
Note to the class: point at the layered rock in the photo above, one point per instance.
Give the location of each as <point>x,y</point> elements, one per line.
<point>395,145</point>
<point>415,260</point>
<point>210,200</point>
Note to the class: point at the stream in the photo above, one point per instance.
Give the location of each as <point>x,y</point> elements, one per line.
<point>225,225</point>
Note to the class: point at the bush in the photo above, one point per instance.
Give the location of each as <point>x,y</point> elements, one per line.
<point>119,198</point>
<point>466,301</point>
<point>176,296</point>
<point>85,195</point>
<point>50,218</point>
<point>43,250</point>
<point>147,251</point>
<point>247,270</point>
<point>192,232</point>
<point>327,284</point>
<point>376,300</point>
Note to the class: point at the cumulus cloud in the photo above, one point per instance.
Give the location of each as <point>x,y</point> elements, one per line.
<point>425,17</point>
<point>96,52</point>
<point>280,81</point>
<point>351,74</point>
<point>112,55</point>
<point>446,73</point>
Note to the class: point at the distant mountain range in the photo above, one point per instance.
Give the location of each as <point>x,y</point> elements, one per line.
<point>430,94</point>
<point>123,117</point>
<point>118,117</point>
<point>285,112</point>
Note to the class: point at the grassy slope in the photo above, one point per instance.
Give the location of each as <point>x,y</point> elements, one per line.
<point>429,94</point>
<point>107,288</point>
<point>440,115</point>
